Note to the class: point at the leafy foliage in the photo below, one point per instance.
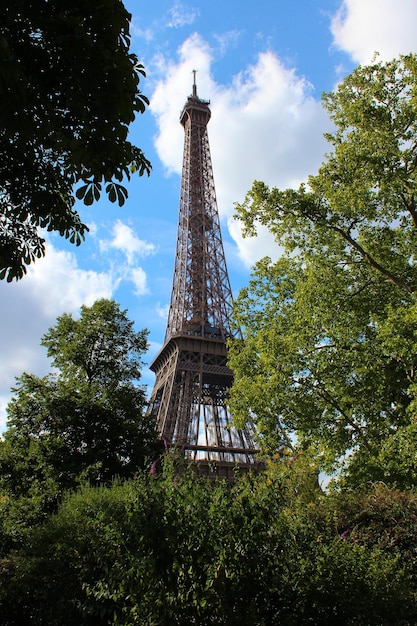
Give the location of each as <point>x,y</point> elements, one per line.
<point>330,346</point>
<point>69,87</point>
<point>84,423</point>
<point>179,550</point>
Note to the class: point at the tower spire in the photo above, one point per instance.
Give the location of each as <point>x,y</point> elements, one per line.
<point>189,398</point>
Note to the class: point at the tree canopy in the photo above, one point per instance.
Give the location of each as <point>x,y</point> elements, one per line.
<point>84,422</point>
<point>69,87</point>
<point>331,328</point>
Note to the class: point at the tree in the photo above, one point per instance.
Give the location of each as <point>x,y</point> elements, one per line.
<point>84,422</point>
<point>180,550</point>
<point>69,88</point>
<point>331,328</point>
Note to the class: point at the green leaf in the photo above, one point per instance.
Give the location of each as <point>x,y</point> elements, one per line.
<point>111,192</point>
<point>88,197</point>
<point>80,135</point>
<point>81,191</point>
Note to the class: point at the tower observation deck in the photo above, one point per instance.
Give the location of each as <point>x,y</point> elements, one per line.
<point>192,383</point>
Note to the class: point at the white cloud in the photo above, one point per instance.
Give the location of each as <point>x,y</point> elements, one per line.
<point>125,240</point>
<point>147,34</point>
<point>363,27</point>
<point>266,125</point>
<point>53,285</point>
<point>162,311</point>
<point>170,95</point>
<point>178,16</point>
<point>181,15</point>
<point>58,273</point>
<point>251,249</point>
<point>92,229</point>
<point>227,40</point>
<point>138,277</point>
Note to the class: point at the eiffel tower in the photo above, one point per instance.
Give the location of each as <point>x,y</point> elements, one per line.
<point>189,398</point>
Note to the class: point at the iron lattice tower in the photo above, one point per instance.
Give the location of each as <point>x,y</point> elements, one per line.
<point>189,398</point>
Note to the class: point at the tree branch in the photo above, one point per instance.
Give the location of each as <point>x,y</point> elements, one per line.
<point>380,268</point>
<point>411,208</point>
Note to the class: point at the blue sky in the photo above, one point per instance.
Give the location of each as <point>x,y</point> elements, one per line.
<point>263,65</point>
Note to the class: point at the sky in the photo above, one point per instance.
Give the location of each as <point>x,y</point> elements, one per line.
<point>263,65</point>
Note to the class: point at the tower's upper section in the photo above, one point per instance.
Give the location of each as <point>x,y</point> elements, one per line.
<point>201,300</point>
<point>195,111</point>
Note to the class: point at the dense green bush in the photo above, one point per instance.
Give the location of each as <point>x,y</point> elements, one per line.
<point>177,549</point>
